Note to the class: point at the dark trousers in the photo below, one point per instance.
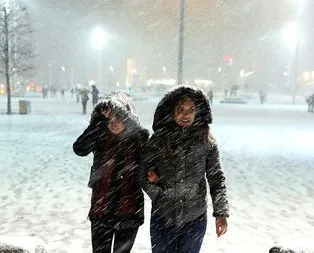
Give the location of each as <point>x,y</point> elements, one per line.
<point>171,239</point>
<point>102,237</point>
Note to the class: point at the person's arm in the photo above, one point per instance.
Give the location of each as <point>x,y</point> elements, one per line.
<point>148,159</point>
<point>143,138</point>
<point>86,142</point>
<point>154,184</point>
<point>217,183</point>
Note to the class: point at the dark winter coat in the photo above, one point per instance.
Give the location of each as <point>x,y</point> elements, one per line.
<point>184,158</point>
<point>95,95</point>
<point>117,198</point>
<point>84,96</point>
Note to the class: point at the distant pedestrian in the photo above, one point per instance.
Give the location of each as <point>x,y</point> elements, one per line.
<point>45,92</point>
<point>234,90</point>
<point>77,94</point>
<point>310,102</point>
<point>84,98</point>
<point>72,92</point>
<point>226,92</point>
<point>262,96</point>
<point>95,95</point>
<point>53,91</point>
<point>62,91</point>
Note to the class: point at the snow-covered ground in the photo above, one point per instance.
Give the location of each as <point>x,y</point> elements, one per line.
<point>267,152</point>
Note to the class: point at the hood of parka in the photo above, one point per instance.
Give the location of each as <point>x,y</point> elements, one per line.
<point>164,113</point>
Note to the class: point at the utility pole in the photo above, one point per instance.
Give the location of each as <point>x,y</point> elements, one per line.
<point>181,43</point>
<point>295,65</point>
<point>72,77</point>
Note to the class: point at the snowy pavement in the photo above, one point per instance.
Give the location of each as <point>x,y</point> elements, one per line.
<point>267,152</point>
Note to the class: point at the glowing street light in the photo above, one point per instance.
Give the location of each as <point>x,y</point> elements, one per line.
<point>98,42</point>
<point>164,70</point>
<point>99,37</point>
<point>242,73</point>
<point>290,35</point>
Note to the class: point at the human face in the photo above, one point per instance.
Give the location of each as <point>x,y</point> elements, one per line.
<point>115,125</point>
<point>184,113</point>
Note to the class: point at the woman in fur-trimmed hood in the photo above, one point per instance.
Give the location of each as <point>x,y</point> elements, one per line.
<point>115,137</point>
<point>179,158</point>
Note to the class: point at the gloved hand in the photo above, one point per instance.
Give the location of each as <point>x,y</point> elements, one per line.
<point>98,114</point>
<point>99,122</point>
<point>97,118</point>
<point>102,126</point>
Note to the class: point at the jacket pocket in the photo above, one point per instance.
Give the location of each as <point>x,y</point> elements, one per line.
<point>93,177</point>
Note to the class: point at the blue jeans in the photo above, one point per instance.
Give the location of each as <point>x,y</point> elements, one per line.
<point>171,239</point>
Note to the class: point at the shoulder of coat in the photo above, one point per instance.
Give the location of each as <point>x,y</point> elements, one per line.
<point>211,138</point>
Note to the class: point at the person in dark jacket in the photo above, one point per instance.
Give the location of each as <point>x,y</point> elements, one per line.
<point>115,137</point>
<point>95,95</point>
<point>262,96</point>
<point>84,98</point>
<point>310,102</point>
<point>210,95</point>
<point>178,159</point>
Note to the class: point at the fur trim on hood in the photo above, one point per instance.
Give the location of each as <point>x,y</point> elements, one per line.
<point>164,115</point>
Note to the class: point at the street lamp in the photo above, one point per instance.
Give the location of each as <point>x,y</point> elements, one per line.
<point>291,36</point>
<point>98,38</point>
<point>164,69</point>
<point>294,43</point>
<point>110,78</point>
<point>98,41</point>
<point>69,72</point>
<point>181,43</point>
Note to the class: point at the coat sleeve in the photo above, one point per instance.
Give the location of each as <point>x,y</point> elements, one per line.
<point>148,162</point>
<point>217,182</point>
<point>86,142</point>
<point>144,135</point>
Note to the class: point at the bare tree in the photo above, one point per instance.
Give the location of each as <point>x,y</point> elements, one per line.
<point>16,51</point>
